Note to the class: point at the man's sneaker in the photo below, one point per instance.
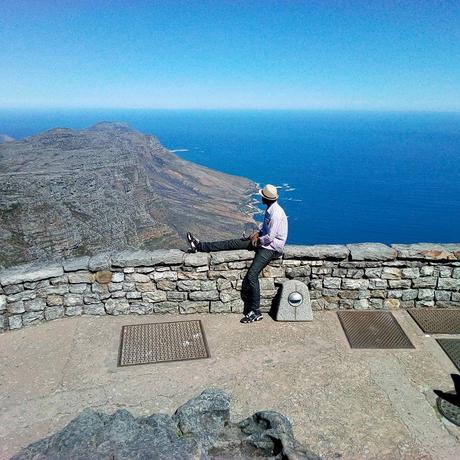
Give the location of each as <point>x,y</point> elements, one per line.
<point>252,317</point>
<point>194,242</point>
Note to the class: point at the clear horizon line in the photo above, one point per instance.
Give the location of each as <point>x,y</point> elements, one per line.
<point>234,109</point>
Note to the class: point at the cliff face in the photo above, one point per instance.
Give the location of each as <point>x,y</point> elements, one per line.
<point>67,193</point>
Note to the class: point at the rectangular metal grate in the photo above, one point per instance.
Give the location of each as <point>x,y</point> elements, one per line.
<point>162,342</point>
<point>437,320</point>
<point>373,329</point>
<point>452,350</point>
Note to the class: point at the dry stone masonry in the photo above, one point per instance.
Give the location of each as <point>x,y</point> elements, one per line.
<point>355,276</point>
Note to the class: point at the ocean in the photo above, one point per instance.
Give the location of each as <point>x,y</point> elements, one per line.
<point>343,177</point>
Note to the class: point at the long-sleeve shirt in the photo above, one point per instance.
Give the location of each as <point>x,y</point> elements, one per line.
<point>273,234</point>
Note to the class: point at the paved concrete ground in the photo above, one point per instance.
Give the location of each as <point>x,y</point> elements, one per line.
<point>342,402</point>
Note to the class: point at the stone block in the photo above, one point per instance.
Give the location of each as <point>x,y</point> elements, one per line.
<point>238,265</point>
<point>196,259</point>
<point>456,273</point>
<point>407,304</point>
<point>445,272</point>
<point>118,295</point>
<point>37,304</point>
<point>228,295</point>
<point>391,304</point>
<point>32,317</point>
<point>15,307</point>
<point>167,275</point>
<point>176,296</point>
<point>400,284</point>
<point>129,286</point>
<point>189,285</point>
<point>191,306</point>
<point>117,307</point>
<point>391,273</point>
<point>424,282</point>
<point>376,303</point>
<point>424,304</point>
<point>193,275</point>
<point>15,322</point>
<point>410,273</point>
<point>373,272</point>
<point>319,251</point>
<point>78,288</point>
<point>220,307</point>
<point>208,285</point>
<point>266,284</point>
<point>426,294</point>
<point>204,295</point>
<point>394,294</point>
<point>294,303</point>
<point>91,298</point>
<point>427,270</point>
<point>332,283</point>
<point>138,258</point>
<point>80,277</point>
<point>24,295</point>
<point>166,285</point>
<point>70,300</point>
<point>226,274</point>
<point>30,272</point>
<point>355,284</point>
<point>230,256</point>
<point>133,295</point>
<point>362,304</point>
<point>113,287</point>
<point>103,277</point>
<point>442,295</point>
<point>426,251</point>
<point>94,309</point>
<point>449,284</point>
<point>409,294</point>
<point>447,304</point>
<point>376,283</point>
<point>166,307</point>
<point>138,278</point>
<point>298,272</point>
<point>348,294</point>
<point>145,287</point>
<point>78,263</point>
<point>378,293</point>
<point>140,308</point>
<point>54,312</point>
<point>118,277</point>
<point>371,251</point>
<point>60,289</point>
<point>77,310</point>
<point>2,303</point>
<point>344,304</point>
<point>100,262</point>
<point>13,289</point>
<point>155,296</point>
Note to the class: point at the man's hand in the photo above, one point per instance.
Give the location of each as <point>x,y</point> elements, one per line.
<point>254,237</point>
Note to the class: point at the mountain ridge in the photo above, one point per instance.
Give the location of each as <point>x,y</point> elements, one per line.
<point>67,193</point>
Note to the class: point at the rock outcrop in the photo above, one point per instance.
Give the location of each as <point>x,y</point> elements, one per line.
<point>69,193</point>
<point>200,429</point>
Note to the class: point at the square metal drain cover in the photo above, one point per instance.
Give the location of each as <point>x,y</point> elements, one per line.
<point>437,320</point>
<point>373,329</point>
<point>452,350</point>
<point>161,342</point>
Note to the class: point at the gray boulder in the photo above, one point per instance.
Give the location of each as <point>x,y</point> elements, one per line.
<point>200,429</point>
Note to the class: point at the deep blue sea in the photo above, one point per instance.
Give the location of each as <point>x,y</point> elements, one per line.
<point>343,176</point>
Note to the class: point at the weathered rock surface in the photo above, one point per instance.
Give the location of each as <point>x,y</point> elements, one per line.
<point>200,429</point>
<point>66,193</point>
<point>371,251</point>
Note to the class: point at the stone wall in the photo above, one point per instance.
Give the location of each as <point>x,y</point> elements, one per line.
<point>358,276</point>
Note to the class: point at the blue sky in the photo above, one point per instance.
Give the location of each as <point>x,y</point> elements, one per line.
<point>372,55</point>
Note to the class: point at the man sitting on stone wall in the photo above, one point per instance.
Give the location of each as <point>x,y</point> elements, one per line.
<point>268,243</point>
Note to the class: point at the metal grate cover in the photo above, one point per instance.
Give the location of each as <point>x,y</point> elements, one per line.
<point>449,410</point>
<point>161,342</point>
<point>452,350</point>
<point>373,329</point>
<point>437,320</point>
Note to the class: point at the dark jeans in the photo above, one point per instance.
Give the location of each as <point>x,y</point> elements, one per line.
<point>250,288</point>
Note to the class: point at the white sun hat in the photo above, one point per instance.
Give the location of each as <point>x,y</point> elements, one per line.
<point>269,192</point>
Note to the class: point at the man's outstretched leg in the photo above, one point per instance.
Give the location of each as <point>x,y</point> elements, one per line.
<point>212,246</point>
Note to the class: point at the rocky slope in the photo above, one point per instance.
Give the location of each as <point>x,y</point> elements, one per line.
<point>66,192</point>
<point>200,429</point>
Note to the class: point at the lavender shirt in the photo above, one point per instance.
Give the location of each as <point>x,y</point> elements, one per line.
<point>273,234</point>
